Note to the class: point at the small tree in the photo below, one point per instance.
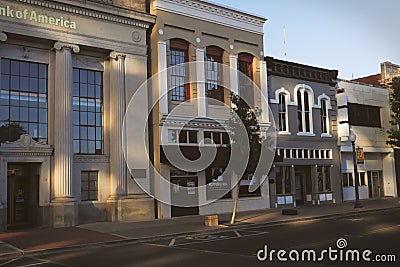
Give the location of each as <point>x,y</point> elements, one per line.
<point>246,117</point>
<point>10,132</point>
<point>394,132</point>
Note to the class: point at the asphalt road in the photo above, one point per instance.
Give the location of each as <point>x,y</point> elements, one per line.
<point>378,232</point>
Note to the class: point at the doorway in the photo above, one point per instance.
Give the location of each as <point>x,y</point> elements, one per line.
<point>22,195</point>
<point>375,184</point>
<point>184,190</point>
<point>299,177</point>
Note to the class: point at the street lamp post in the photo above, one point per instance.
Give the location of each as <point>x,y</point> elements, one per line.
<point>352,138</point>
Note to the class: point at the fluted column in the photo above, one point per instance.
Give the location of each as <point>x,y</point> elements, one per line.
<point>162,77</point>
<point>234,81</point>
<point>201,86</point>
<point>264,91</point>
<point>63,152</point>
<point>117,113</point>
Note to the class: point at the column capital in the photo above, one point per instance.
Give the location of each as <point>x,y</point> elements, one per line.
<point>3,37</point>
<point>62,45</point>
<point>117,55</point>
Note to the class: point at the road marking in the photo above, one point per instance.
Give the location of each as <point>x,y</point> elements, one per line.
<point>237,233</point>
<point>172,242</point>
<point>7,262</point>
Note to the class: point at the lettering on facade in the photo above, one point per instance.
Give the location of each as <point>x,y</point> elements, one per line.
<point>34,16</point>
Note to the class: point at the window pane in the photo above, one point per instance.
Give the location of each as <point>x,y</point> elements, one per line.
<point>24,69</point>
<point>183,136</point>
<point>193,137</point>
<point>5,66</point>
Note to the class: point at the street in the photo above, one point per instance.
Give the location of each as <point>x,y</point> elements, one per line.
<point>377,231</point>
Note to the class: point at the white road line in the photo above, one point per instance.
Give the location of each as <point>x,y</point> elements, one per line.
<point>237,233</point>
<point>33,264</point>
<point>172,242</point>
<point>7,262</point>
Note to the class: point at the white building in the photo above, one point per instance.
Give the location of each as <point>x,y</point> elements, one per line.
<point>365,110</point>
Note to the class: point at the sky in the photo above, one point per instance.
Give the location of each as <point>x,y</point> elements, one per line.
<point>351,36</point>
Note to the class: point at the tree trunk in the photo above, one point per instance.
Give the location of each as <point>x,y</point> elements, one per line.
<point>235,203</point>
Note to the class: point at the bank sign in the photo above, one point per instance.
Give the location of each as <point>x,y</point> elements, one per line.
<point>34,16</point>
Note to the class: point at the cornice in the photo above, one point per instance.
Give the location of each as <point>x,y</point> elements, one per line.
<point>247,21</point>
<point>204,123</point>
<point>97,10</point>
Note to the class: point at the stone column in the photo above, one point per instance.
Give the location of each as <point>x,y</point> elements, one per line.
<point>264,91</point>
<point>117,113</point>
<point>162,77</point>
<point>118,182</point>
<point>64,208</point>
<point>234,81</point>
<point>201,86</point>
<point>314,179</point>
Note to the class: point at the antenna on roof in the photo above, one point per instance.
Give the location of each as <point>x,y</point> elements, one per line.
<point>284,39</point>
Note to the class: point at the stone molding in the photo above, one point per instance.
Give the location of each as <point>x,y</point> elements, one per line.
<point>25,146</point>
<point>61,45</point>
<point>99,10</point>
<point>117,55</point>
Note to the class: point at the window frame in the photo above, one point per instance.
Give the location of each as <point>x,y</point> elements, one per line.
<point>33,90</point>
<point>283,113</point>
<point>78,112</point>
<point>245,66</point>
<point>324,115</point>
<point>88,190</point>
<point>305,112</point>
<point>214,54</point>
<point>179,45</point>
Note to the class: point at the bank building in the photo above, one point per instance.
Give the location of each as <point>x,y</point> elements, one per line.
<point>65,67</point>
<point>69,69</point>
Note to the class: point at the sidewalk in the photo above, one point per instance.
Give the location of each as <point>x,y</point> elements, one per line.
<point>18,242</point>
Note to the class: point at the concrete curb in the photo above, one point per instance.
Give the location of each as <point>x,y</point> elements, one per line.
<point>129,241</point>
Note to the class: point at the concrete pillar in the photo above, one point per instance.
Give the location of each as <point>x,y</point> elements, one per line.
<point>293,179</point>
<point>118,184</point>
<point>3,175</point>
<point>201,86</point>
<point>162,77</point>
<point>234,81</point>
<point>264,91</point>
<point>63,206</point>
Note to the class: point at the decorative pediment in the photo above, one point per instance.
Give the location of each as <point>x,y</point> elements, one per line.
<point>25,145</point>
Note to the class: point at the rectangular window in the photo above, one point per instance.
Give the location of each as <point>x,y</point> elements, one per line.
<point>89,185</point>
<point>244,187</point>
<point>347,179</point>
<point>324,178</point>
<point>245,66</point>
<point>219,138</point>
<point>364,115</point>
<point>186,136</point>
<point>179,54</point>
<point>23,98</point>
<point>283,181</point>
<point>217,185</point>
<point>214,89</point>
<point>87,111</point>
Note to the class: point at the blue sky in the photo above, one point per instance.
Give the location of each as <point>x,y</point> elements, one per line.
<point>352,36</point>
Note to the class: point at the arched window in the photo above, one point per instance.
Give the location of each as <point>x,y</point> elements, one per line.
<point>179,54</point>
<point>304,111</point>
<point>324,117</point>
<point>283,113</point>
<point>214,89</point>
<point>245,65</point>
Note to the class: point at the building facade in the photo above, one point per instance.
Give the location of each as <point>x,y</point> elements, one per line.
<point>203,35</point>
<point>302,99</point>
<point>364,109</point>
<point>67,70</point>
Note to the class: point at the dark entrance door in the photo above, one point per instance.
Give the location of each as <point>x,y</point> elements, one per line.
<point>184,190</point>
<point>22,194</point>
<point>375,184</point>
<point>299,177</point>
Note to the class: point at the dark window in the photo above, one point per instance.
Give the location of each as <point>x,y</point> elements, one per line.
<point>244,187</point>
<point>214,74</point>
<point>218,185</point>
<point>188,136</point>
<point>307,111</point>
<point>283,180</point>
<point>324,117</point>
<point>23,97</point>
<point>219,138</point>
<point>363,115</point>
<point>299,111</point>
<point>87,111</point>
<point>282,112</point>
<point>245,65</point>
<point>179,54</point>
<point>89,185</point>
